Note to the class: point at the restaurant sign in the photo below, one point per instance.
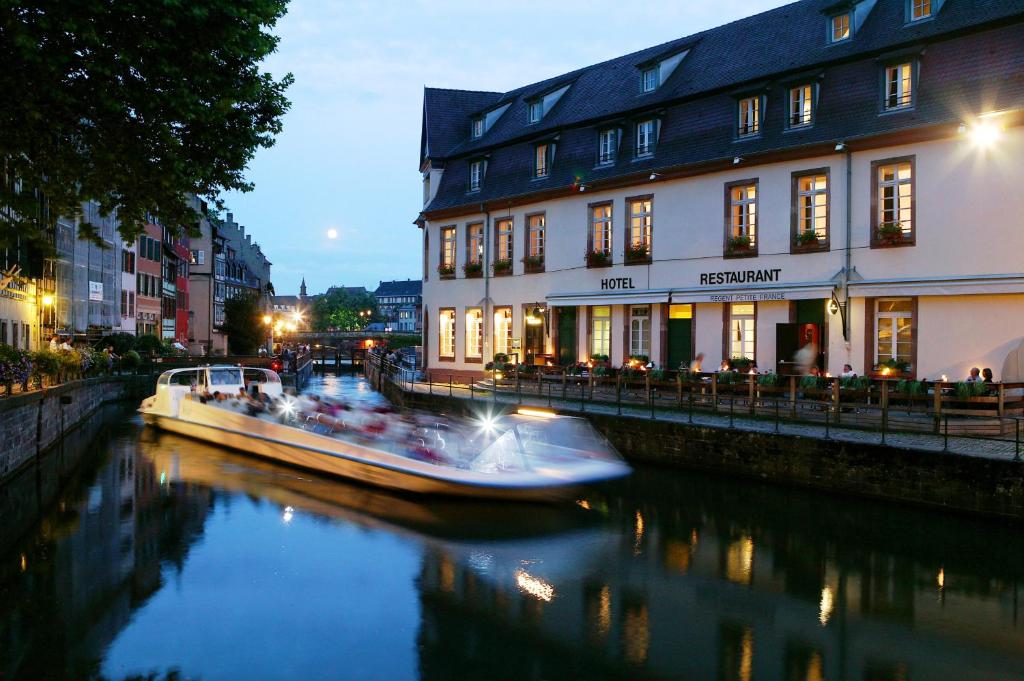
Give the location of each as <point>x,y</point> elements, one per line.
<point>740,277</point>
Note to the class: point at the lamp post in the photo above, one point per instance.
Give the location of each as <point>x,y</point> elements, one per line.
<point>45,302</point>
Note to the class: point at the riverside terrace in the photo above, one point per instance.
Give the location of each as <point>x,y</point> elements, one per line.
<point>983,420</point>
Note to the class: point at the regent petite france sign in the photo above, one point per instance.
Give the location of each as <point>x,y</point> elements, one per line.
<point>763,276</point>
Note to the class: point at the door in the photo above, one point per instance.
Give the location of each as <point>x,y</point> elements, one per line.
<point>680,335</point>
<point>566,335</point>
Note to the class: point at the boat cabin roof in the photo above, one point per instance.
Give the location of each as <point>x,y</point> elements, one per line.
<point>221,374</point>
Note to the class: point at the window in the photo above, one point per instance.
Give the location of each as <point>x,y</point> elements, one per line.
<point>608,146</point>
<point>502,330</point>
<point>601,229</point>
<point>801,106</point>
<point>475,173</point>
<point>503,234</point>
<point>645,138</point>
<point>749,122</point>
<point>649,79</point>
<point>474,334</point>
<point>840,27</point>
<point>446,333</point>
<point>920,9</point>
<point>640,331</point>
<point>742,232</point>
<point>535,239</point>
<point>811,209</point>
<point>894,196</point>
<point>535,111</point>
<point>447,265</point>
<point>894,329</point>
<point>899,86</point>
<point>741,330</point>
<point>198,257</point>
<point>641,222</point>
<point>601,330</point>
<point>475,243</point>
<point>127,262</point>
<point>540,160</point>
<point>478,127</point>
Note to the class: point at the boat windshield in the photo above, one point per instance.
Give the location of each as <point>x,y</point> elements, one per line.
<point>225,377</point>
<point>526,444</point>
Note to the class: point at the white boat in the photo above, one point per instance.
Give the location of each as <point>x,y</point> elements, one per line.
<point>530,455</point>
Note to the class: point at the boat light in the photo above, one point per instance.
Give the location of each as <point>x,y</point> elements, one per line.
<point>287,405</point>
<point>539,413</point>
<point>487,423</point>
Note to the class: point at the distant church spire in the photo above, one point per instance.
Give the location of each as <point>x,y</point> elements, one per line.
<point>302,288</point>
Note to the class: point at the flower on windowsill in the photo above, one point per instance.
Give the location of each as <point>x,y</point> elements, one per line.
<point>472,269</point>
<point>637,251</point>
<point>446,270</point>
<point>890,232</point>
<point>598,258</point>
<point>533,263</point>
<point>739,244</point>
<point>502,266</point>
<point>807,239</point>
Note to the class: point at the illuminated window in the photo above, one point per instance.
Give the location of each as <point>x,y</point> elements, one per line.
<point>743,213</point>
<point>920,9</point>
<point>446,334</point>
<point>649,79</point>
<point>540,160</point>
<point>474,333</point>
<point>502,330</point>
<point>447,250</point>
<point>801,106</point>
<point>607,146</point>
<point>899,86</point>
<point>601,330</point>
<point>476,170</point>
<point>894,329</point>
<point>601,228</point>
<point>640,331</point>
<point>741,330</point>
<point>641,222</point>
<point>475,243</point>
<point>645,137</point>
<point>749,122</point>
<point>535,236</point>
<point>503,233</point>
<point>840,25</point>
<point>811,208</point>
<point>894,189</point>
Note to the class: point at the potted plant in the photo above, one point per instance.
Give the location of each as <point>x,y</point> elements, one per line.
<point>892,368</point>
<point>598,258</point>
<point>808,239</point>
<point>890,233</point>
<point>741,364</point>
<point>637,252</point>
<point>534,263</point>
<point>446,270</point>
<point>473,270</point>
<point>502,267</point>
<point>599,359</point>
<point>739,244</point>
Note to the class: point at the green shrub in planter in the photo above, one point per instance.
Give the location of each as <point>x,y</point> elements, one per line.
<point>148,344</point>
<point>727,377</point>
<point>967,389</point>
<point>855,383</point>
<point>813,382</point>
<point>657,374</point>
<point>741,363</point>
<point>769,380</point>
<point>130,360</point>
<point>639,359</point>
<point>909,387</point>
<point>46,364</point>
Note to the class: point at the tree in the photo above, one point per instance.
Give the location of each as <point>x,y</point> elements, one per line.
<point>339,308</point>
<point>134,104</point>
<point>243,324</point>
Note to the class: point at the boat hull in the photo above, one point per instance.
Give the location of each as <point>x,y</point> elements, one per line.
<point>346,465</point>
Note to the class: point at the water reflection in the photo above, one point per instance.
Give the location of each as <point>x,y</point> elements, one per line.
<point>166,555</point>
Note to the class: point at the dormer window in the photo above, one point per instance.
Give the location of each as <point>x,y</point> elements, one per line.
<point>541,160</point>
<point>607,146</point>
<point>748,122</point>
<point>839,27</point>
<point>478,127</point>
<point>801,106</point>
<point>920,9</point>
<point>649,79</point>
<point>476,173</point>
<point>535,111</point>
<point>646,137</point>
<point>899,86</point>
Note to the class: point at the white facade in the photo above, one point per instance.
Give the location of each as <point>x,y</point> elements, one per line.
<point>959,281</point>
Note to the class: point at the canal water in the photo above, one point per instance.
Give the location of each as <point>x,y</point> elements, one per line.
<point>167,558</point>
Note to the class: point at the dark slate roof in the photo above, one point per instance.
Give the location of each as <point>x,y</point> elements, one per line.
<point>446,116</point>
<point>285,300</point>
<point>698,99</point>
<point>408,287</point>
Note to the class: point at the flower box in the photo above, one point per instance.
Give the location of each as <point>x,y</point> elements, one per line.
<point>502,267</point>
<point>637,253</point>
<point>889,234</point>
<point>473,270</point>
<point>533,263</point>
<point>446,271</point>
<point>598,258</point>
<point>740,245</point>
<point>808,241</point>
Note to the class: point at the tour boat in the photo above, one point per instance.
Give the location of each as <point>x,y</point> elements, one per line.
<point>530,455</point>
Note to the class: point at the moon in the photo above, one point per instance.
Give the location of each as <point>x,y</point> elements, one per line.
<point>332,233</point>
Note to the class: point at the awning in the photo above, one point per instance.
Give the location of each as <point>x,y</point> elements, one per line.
<point>1000,284</point>
<point>631,297</point>
<point>765,293</point>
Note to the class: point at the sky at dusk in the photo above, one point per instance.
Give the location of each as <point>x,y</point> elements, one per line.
<point>348,156</point>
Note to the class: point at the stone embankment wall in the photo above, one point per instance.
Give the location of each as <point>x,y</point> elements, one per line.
<point>961,483</point>
<point>31,422</point>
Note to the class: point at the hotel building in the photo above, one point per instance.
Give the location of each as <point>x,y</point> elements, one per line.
<point>846,173</point>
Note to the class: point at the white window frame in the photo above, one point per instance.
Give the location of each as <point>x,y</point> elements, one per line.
<point>449,237</point>
<point>474,333</point>
<point>541,160</point>
<point>844,23</point>
<point>649,79</point>
<point>601,226</point>
<point>502,329</point>
<point>504,250</point>
<point>474,243</point>
<point>902,208</point>
<point>748,117</point>
<point>446,333</point>
<point>476,171</point>
<point>640,330</point>
<point>890,319</point>
<point>601,330</point>
<point>920,9</point>
<point>801,106</point>
<point>899,86</point>
<point>646,137</point>
<point>607,146</point>
<point>535,111</point>
<point>641,222</point>
<point>743,211</point>
<point>478,128</point>
<point>536,226</point>
<point>812,205</point>
<point>742,331</point>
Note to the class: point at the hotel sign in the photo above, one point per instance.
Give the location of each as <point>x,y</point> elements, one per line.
<point>617,283</point>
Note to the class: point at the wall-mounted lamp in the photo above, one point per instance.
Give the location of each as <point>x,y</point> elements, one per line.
<point>833,307</point>
<point>582,187</point>
<point>736,160</point>
<point>655,176</point>
<point>535,318</point>
<point>840,146</point>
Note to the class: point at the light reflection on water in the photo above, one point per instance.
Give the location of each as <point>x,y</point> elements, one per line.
<point>173,555</point>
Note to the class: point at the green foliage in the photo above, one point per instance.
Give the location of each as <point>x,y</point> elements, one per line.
<point>769,380</point>
<point>855,383</point>
<point>122,342</point>
<point>813,382</point>
<point>46,364</point>
<point>243,325</point>
<point>807,238</point>
<point>500,358</point>
<point>894,365</point>
<point>967,389</point>
<point>130,360</point>
<point>639,359</point>
<point>148,344</point>
<point>403,340</point>
<point>339,309</point>
<point>909,387</point>
<point>727,377</point>
<point>738,244</point>
<point>657,374</point>
<point>599,357</point>
<point>133,104</point>
<point>741,363</point>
